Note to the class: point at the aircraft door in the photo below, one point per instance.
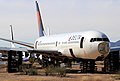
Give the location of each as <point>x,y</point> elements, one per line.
<point>81,42</point>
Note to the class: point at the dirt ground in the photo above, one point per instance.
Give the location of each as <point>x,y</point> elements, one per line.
<point>4,76</point>
<point>69,77</point>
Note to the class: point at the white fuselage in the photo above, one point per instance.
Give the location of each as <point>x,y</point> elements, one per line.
<point>86,45</point>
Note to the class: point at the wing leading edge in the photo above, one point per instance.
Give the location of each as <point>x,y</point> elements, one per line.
<point>116,48</point>
<point>30,45</point>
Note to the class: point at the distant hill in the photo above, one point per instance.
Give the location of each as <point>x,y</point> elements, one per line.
<point>113,44</point>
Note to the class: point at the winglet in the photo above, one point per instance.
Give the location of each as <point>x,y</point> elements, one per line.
<point>40,24</point>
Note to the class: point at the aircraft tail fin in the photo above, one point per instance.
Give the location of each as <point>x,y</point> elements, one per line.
<point>40,24</point>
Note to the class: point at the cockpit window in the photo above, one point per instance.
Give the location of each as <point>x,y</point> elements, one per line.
<point>99,39</point>
<point>106,39</point>
<point>91,40</point>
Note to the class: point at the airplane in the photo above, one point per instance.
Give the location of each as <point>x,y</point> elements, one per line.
<point>84,45</point>
<point>25,56</point>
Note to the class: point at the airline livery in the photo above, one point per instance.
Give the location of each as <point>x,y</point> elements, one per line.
<point>85,45</point>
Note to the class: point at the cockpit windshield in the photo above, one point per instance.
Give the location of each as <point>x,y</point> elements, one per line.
<point>99,39</point>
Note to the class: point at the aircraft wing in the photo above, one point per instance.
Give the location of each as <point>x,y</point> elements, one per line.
<point>116,48</point>
<point>30,45</point>
<point>13,49</point>
<point>32,51</point>
<point>42,52</point>
<point>53,53</point>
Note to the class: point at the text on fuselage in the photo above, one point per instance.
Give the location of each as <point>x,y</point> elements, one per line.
<point>74,37</point>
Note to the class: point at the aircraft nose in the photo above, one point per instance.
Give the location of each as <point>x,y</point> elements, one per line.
<point>103,48</point>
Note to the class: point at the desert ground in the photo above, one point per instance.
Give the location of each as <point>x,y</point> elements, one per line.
<point>69,77</point>
<point>5,76</point>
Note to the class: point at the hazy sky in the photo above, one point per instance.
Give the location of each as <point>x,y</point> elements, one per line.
<point>61,16</point>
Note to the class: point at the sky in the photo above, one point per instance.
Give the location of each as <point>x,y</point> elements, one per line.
<point>61,16</point>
